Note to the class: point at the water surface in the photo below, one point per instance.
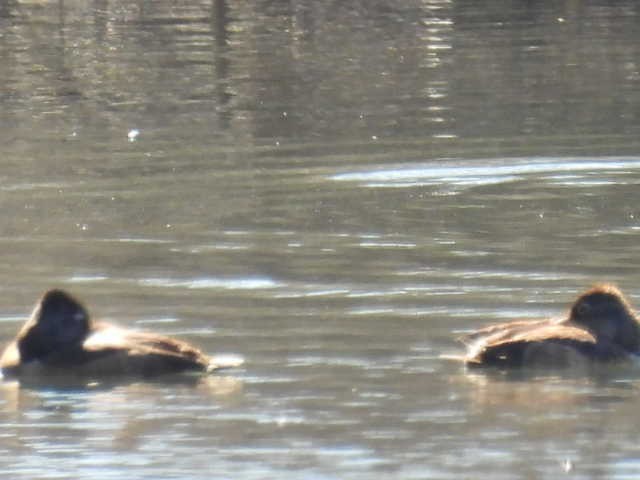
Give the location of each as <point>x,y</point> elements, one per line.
<point>334,192</point>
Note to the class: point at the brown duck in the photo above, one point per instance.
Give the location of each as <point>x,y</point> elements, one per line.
<point>60,338</point>
<point>600,327</point>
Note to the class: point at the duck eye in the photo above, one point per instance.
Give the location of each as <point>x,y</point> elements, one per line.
<point>583,308</point>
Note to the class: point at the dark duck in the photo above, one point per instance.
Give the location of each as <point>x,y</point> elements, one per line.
<point>600,327</point>
<point>60,338</point>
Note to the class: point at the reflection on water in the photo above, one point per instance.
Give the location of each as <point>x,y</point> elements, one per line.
<point>578,171</point>
<point>334,191</point>
<point>259,71</point>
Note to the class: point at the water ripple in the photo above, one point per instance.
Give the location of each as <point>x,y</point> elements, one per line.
<point>244,283</point>
<point>486,172</point>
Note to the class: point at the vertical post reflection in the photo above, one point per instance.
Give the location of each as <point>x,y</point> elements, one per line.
<point>437,53</point>
<point>219,30</point>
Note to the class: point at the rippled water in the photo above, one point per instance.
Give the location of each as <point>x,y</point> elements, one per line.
<point>334,192</point>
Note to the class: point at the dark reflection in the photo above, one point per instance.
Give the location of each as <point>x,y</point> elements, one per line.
<point>601,376</point>
<point>7,9</point>
<point>64,74</point>
<point>550,67</point>
<point>292,70</point>
<point>218,385</point>
<point>219,28</point>
<point>349,71</point>
<point>100,20</point>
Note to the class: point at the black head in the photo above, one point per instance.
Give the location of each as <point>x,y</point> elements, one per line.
<point>58,322</point>
<point>604,311</point>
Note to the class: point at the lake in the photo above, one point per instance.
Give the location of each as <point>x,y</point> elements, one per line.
<point>334,191</point>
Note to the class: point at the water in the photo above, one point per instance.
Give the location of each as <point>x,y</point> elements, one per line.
<point>334,192</point>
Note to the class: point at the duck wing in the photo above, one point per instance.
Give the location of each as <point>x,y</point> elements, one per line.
<point>546,344</point>
<point>506,329</point>
<point>110,347</point>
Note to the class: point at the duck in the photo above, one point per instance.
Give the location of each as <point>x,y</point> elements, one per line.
<point>600,327</point>
<point>61,339</point>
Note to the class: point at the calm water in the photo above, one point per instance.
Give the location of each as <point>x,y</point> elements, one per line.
<point>333,191</point>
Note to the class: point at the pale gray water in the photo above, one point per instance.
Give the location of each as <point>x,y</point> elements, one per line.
<point>333,191</point>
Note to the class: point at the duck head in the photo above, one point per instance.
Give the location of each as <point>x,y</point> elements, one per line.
<point>605,312</point>
<point>58,322</point>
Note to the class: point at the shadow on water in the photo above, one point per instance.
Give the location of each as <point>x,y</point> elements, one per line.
<point>216,385</point>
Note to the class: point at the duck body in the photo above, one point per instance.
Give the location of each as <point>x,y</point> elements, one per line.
<point>599,328</point>
<point>60,339</point>
<point>541,345</point>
